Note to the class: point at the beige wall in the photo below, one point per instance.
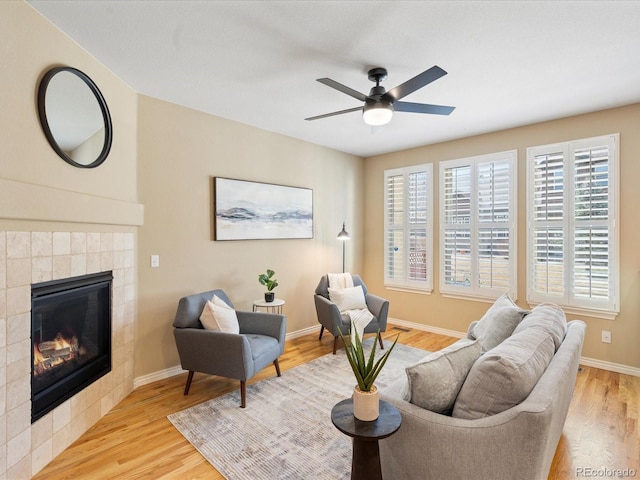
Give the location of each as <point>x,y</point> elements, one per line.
<point>452,314</point>
<point>36,184</point>
<point>180,150</point>
<point>41,194</point>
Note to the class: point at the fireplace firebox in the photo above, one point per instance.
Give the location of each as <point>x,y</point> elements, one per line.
<point>71,337</point>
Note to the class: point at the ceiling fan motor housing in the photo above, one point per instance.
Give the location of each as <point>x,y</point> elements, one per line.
<point>377,92</point>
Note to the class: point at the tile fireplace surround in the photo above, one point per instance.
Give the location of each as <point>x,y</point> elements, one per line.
<point>33,257</point>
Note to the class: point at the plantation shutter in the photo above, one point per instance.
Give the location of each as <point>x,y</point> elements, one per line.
<point>591,240</point>
<point>549,225</point>
<point>494,215</point>
<point>457,225</point>
<point>395,253</point>
<point>418,226</point>
<point>408,236</point>
<point>478,225</point>
<point>573,238</point>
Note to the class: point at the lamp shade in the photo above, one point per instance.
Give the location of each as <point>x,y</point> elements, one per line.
<point>343,234</point>
<point>377,113</point>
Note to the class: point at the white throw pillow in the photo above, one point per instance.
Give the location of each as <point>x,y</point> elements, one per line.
<point>219,316</point>
<point>348,298</point>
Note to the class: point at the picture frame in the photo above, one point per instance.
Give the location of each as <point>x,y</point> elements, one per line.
<point>248,210</point>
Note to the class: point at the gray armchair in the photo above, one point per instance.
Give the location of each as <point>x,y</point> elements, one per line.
<point>239,356</point>
<point>330,318</point>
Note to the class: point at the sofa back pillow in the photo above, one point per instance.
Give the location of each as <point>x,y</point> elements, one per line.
<point>550,318</point>
<point>498,323</point>
<point>434,382</point>
<point>504,376</point>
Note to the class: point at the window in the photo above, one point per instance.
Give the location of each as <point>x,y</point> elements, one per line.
<point>478,225</point>
<point>408,233</point>
<point>572,244</point>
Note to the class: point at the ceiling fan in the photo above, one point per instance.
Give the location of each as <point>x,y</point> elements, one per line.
<point>379,105</point>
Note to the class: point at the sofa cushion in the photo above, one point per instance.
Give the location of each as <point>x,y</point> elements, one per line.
<point>351,298</point>
<point>504,376</point>
<point>217,315</point>
<point>550,318</point>
<point>498,322</point>
<point>434,382</point>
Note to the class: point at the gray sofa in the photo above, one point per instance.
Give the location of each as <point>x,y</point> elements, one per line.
<point>518,442</point>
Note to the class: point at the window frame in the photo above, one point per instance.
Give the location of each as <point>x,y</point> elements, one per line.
<point>405,283</point>
<point>475,291</point>
<point>568,300</point>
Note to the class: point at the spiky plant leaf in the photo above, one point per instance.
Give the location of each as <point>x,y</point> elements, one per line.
<point>365,370</point>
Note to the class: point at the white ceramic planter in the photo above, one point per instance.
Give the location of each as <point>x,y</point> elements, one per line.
<point>366,405</point>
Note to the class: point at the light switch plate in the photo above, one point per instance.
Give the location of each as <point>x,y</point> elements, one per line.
<point>155,261</point>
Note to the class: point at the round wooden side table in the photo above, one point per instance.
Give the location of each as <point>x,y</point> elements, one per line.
<point>365,462</point>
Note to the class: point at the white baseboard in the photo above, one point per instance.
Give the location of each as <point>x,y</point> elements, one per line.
<point>427,328</point>
<point>610,366</point>
<point>303,332</point>
<point>155,376</point>
<point>588,362</point>
<point>177,370</point>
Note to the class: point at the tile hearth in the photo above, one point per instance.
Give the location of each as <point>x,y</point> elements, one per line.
<point>33,257</point>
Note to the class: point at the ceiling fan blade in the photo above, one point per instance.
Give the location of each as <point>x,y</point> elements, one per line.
<point>422,108</point>
<point>349,110</point>
<point>415,83</point>
<point>343,88</point>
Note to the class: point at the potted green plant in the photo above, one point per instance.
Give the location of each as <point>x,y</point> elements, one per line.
<point>268,281</point>
<point>366,401</point>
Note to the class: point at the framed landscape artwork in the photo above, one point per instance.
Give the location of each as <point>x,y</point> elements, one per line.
<point>247,210</point>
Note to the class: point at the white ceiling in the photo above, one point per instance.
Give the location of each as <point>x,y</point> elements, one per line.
<point>256,62</point>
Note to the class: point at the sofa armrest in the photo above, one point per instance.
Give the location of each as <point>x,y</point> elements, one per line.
<point>504,446</point>
<point>215,353</point>
<point>379,307</point>
<point>261,323</point>
<point>328,314</point>
<point>470,329</point>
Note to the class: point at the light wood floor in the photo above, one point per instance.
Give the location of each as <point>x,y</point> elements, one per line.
<point>136,441</point>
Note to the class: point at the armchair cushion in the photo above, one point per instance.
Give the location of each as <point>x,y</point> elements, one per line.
<point>218,316</point>
<point>348,298</point>
<point>434,382</point>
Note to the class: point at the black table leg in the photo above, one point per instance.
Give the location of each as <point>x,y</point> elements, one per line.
<point>365,463</point>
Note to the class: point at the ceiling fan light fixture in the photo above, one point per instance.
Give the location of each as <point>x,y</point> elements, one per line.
<point>377,113</point>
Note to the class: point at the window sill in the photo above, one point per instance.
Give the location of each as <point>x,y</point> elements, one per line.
<point>584,312</point>
<point>473,298</point>
<point>405,289</point>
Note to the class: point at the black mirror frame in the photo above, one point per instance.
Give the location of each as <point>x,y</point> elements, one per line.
<point>42,113</point>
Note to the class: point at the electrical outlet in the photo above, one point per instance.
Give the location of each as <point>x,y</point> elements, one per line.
<point>155,261</point>
<point>606,336</point>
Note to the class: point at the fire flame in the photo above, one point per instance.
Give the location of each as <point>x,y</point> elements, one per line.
<point>54,352</point>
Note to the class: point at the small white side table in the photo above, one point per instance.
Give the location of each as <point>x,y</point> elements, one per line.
<point>270,307</point>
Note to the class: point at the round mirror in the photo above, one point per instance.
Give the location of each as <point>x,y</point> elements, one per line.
<point>74,117</point>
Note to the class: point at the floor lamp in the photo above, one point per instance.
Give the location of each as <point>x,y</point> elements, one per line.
<point>344,236</point>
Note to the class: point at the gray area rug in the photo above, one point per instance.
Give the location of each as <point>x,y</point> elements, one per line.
<point>286,431</point>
